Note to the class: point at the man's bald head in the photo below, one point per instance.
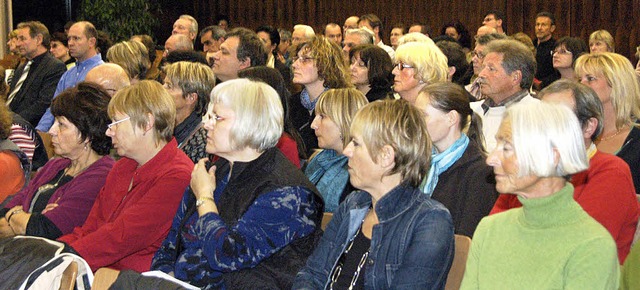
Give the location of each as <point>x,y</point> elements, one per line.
<point>485,29</point>
<point>109,76</point>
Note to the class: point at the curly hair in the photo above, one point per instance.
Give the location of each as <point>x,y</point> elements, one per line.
<point>6,119</point>
<point>329,60</point>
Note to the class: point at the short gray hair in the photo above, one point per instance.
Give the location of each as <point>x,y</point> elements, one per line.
<point>515,56</point>
<point>365,34</point>
<point>193,28</point>
<point>308,31</point>
<point>258,110</point>
<point>539,130</point>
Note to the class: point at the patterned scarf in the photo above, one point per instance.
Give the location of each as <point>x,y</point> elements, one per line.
<point>326,170</point>
<point>306,99</point>
<point>440,162</point>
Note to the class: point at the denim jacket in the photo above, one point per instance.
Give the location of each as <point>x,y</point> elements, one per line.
<point>412,247</point>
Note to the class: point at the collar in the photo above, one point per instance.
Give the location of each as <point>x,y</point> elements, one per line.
<point>553,210</point>
<point>517,97</point>
<point>183,130</point>
<point>395,202</point>
<point>92,61</point>
<point>150,169</point>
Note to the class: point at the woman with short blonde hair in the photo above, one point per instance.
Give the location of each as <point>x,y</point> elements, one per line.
<point>601,41</point>
<point>416,65</point>
<point>388,157</point>
<point>327,170</point>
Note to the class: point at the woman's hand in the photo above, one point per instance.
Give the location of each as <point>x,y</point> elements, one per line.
<point>203,183</point>
<point>49,207</point>
<point>5,229</point>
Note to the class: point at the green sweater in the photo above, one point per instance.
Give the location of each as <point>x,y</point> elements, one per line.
<point>549,243</point>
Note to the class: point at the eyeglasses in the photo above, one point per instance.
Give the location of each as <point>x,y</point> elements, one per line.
<point>303,59</point>
<point>479,55</point>
<point>110,126</point>
<point>560,51</point>
<point>401,66</point>
<point>212,116</point>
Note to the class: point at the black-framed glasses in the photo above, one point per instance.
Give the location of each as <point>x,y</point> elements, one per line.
<point>479,55</point>
<point>401,66</point>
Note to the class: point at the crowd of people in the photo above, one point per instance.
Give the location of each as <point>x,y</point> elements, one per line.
<point>217,167</point>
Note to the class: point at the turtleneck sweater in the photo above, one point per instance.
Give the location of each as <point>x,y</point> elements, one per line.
<point>549,243</point>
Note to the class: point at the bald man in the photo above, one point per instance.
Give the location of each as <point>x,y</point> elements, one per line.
<point>177,42</point>
<point>485,29</point>
<point>109,76</point>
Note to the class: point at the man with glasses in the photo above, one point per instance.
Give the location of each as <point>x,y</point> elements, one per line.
<point>495,19</point>
<point>478,55</point>
<point>545,26</point>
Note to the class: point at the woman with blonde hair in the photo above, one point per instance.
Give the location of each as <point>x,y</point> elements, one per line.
<point>318,65</point>
<point>133,57</point>
<point>408,235</point>
<point>327,170</point>
<point>601,41</point>
<point>133,211</point>
<point>416,65</point>
<point>613,78</point>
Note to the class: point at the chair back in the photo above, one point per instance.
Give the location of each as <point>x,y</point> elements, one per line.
<point>104,278</point>
<point>68,281</point>
<point>326,218</point>
<point>454,279</point>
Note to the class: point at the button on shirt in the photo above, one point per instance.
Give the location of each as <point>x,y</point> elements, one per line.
<point>69,79</point>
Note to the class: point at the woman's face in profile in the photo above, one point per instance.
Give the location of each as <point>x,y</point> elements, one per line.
<point>505,164</point>
<point>65,138</point>
<point>219,122</point>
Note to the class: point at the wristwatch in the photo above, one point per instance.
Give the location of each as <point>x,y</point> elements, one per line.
<point>201,201</point>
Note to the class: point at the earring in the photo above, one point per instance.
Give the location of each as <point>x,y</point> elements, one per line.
<point>85,147</point>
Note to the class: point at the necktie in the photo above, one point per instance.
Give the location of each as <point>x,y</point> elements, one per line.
<point>23,77</point>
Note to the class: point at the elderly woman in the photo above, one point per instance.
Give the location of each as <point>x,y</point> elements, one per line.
<point>190,84</point>
<point>551,242</point>
<point>290,142</point>
<point>390,221</point>
<point>133,57</point>
<point>62,193</point>
<point>458,176</point>
<point>605,190</point>
<point>567,50</point>
<point>418,64</point>
<point>327,170</point>
<point>60,49</point>
<point>601,41</point>
<point>318,65</point>
<point>612,77</point>
<point>371,71</point>
<point>14,163</point>
<point>132,213</point>
<point>252,218</point>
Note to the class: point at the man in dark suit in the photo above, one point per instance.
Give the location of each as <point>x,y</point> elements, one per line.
<point>34,82</point>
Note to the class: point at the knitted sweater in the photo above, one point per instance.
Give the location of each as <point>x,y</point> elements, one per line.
<point>549,243</point>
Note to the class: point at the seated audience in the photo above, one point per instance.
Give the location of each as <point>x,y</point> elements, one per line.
<point>190,84</point>
<point>14,165</point>
<point>252,218</point>
<point>567,50</point>
<point>612,77</point>
<point>62,193</point>
<point>389,221</point>
<point>290,142</point>
<point>133,57</point>
<point>371,71</point>
<point>551,242</point>
<point>605,190</point>
<point>417,64</point>
<point>317,66</point>
<point>601,41</point>
<point>397,31</point>
<point>328,169</point>
<point>132,213</point>
<point>459,33</point>
<point>458,176</point>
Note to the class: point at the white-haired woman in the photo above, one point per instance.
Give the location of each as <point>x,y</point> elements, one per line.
<point>251,219</point>
<point>416,65</point>
<point>551,242</point>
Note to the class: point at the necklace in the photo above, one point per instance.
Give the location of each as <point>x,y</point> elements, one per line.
<point>49,186</point>
<point>614,134</point>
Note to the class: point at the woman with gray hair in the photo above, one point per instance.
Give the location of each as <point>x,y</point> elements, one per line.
<point>252,218</point>
<point>551,241</point>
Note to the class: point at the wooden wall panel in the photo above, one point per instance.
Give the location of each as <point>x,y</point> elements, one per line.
<point>573,17</point>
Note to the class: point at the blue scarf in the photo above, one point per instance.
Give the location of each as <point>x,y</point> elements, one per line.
<point>440,162</point>
<point>326,170</point>
<point>305,99</point>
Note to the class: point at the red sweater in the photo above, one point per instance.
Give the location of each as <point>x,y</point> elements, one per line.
<point>606,192</point>
<point>125,228</point>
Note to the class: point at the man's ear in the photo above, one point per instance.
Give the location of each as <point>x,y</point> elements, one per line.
<point>452,71</point>
<point>245,63</point>
<point>191,98</point>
